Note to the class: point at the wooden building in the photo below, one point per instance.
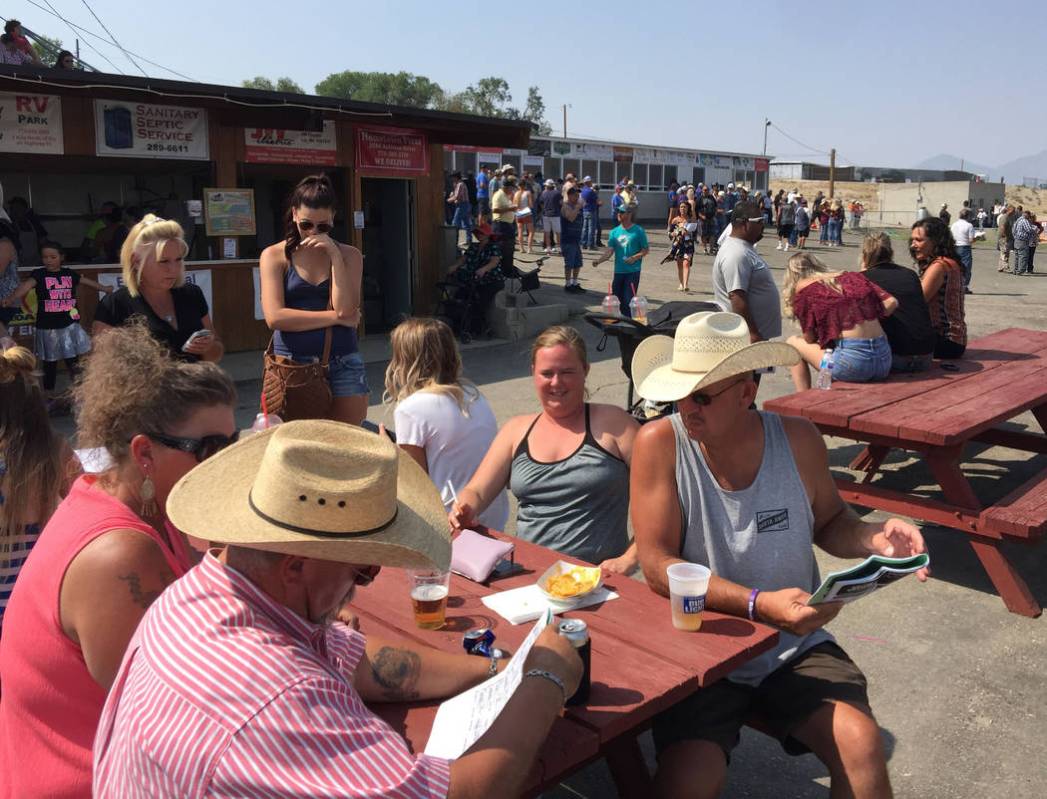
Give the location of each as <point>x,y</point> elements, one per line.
<point>222,160</point>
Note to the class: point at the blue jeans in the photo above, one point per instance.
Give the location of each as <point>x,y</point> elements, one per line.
<point>792,236</point>
<point>588,229</point>
<point>823,231</point>
<point>861,360</point>
<point>963,253</point>
<point>463,218</point>
<point>1022,262</point>
<point>625,286</point>
<point>834,230</point>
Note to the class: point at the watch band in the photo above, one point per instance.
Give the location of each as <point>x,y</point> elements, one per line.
<point>548,675</point>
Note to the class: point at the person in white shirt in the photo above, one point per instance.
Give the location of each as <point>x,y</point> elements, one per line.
<point>442,420</point>
<point>963,235</point>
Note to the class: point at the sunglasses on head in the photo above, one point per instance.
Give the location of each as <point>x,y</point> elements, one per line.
<point>321,227</point>
<point>703,399</point>
<point>200,448</point>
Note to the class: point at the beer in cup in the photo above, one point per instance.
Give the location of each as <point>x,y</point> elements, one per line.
<point>429,589</point>
<point>688,583</point>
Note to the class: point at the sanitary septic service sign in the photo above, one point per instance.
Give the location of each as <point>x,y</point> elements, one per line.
<point>141,130</point>
<point>31,123</point>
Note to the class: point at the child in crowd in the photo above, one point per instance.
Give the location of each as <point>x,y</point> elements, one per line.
<point>59,336</point>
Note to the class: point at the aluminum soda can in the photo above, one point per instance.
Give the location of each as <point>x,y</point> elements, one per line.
<point>478,641</point>
<point>577,632</point>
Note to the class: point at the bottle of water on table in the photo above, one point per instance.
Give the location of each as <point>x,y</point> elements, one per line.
<point>825,372</point>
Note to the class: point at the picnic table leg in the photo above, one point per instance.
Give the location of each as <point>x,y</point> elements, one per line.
<point>1010,585</point>
<point>869,460</point>
<point>628,767</point>
<point>1040,412</point>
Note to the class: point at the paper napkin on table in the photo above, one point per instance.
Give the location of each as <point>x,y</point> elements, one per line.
<point>525,604</point>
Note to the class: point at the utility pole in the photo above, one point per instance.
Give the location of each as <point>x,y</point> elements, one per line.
<point>832,171</point>
<point>565,120</point>
<point>766,124</point>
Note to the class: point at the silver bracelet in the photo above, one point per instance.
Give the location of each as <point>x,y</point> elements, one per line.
<point>493,670</point>
<point>548,675</point>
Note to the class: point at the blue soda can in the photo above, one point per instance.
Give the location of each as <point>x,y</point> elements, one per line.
<point>478,642</point>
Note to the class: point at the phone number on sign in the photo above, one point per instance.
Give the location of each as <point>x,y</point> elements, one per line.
<point>167,148</point>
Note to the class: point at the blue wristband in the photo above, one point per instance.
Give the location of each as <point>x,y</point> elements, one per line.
<point>752,603</point>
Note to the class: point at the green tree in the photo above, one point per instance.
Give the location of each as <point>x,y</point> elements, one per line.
<point>281,85</point>
<point>534,111</point>
<point>48,48</point>
<point>385,88</point>
<point>489,97</point>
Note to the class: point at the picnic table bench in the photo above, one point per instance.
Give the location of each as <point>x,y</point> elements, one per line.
<point>641,664</point>
<point>936,414</point>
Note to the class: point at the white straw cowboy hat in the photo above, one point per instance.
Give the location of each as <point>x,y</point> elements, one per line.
<point>709,347</point>
<point>318,489</point>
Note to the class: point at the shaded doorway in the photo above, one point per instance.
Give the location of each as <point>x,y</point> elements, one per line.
<point>388,249</point>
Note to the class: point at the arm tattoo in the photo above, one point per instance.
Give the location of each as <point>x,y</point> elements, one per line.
<point>134,584</point>
<point>397,672</point>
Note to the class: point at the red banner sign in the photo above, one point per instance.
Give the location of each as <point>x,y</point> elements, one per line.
<point>392,151</point>
<point>761,164</point>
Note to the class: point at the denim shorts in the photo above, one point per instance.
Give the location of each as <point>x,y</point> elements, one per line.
<point>860,360</point>
<point>347,375</point>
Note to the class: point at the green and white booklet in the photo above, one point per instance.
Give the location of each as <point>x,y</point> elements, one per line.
<point>871,574</point>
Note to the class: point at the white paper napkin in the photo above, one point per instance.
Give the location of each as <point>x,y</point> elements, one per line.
<point>525,604</point>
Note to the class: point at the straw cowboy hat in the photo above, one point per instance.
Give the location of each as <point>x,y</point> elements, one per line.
<point>709,347</point>
<point>318,489</point>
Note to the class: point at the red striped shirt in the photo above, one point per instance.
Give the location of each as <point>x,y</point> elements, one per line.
<point>224,692</point>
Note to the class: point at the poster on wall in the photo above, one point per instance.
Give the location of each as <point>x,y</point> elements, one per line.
<point>198,277</point>
<point>392,151</point>
<point>31,123</point>
<point>23,324</point>
<point>141,130</point>
<point>279,146</point>
<point>229,212</point>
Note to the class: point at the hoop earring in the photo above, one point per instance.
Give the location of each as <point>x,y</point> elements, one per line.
<point>148,497</point>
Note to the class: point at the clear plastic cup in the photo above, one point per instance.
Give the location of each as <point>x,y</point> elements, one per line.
<point>429,589</point>
<point>688,583</point>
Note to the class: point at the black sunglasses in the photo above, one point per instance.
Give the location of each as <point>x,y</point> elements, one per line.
<point>703,399</point>
<point>200,448</point>
<point>321,227</point>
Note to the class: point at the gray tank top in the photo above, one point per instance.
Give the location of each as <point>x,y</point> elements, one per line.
<point>760,536</point>
<point>579,505</point>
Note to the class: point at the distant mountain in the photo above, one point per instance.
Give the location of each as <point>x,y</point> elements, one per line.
<point>1013,172</point>
<point>952,162</point>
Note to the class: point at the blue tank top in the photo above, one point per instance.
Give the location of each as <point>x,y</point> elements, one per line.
<point>305,345</point>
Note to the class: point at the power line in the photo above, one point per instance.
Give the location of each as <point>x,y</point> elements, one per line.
<point>797,141</point>
<point>120,46</point>
<point>103,39</point>
<point>67,22</point>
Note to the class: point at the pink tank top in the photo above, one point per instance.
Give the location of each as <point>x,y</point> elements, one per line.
<point>51,705</point>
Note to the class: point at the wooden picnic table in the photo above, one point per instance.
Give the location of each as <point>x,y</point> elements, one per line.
<point>641,664</point>
<point>936,414</point>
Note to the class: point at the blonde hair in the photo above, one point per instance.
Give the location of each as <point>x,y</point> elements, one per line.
<point>29,448</point>
<point>876,249</point>
<point>800,267</point>
<point>152,232</point>
<point>426,358</point>
<point>561,334</point>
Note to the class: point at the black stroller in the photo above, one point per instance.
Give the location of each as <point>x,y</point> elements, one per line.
<point>459,305</point>
<point>629,333</point>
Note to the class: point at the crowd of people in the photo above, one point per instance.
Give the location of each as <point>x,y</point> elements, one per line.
<point>15,48</point>
<point>130,598</point>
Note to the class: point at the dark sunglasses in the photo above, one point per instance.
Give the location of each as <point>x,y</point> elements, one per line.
<point>321,227</point>
<point>703,399</point>
<point>200,448</point>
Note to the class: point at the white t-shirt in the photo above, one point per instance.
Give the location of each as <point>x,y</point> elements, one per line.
<point>454,444</point>
<point>962,232</point>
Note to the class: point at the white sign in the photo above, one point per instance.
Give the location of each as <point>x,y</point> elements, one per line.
<point>140,130</point>
<point>198,277</point>
<point>358,220</point>
<point>278,146</point>
<point>228,248</point>
<point>256,276</point>
<point>31,123</point>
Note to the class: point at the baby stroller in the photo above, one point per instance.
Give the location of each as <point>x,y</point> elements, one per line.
<point>629,333</point>
<point>457,305</point>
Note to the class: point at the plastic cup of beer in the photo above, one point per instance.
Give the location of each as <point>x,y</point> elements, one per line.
<point>429,590</point>
<point>688,583</point>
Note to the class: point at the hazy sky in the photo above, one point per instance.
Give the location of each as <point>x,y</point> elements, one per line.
<point>887,83</point>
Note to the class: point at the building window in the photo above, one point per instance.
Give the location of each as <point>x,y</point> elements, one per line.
<point>623,170</point>
<point>448,160</point>
<point>589,168</point>
<point>654,178</point>
<point>465,162</point>
<point>606,176</point>
<point>571,166</point>
<point>671,174</point>
<point>699,175</point>
<point>640,176</point>
<point>551,169</point>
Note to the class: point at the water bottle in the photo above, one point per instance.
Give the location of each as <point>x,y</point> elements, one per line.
<point>263,421</point>
<point>611,306</point>
<point>825,372</point>
<point>638,309</point>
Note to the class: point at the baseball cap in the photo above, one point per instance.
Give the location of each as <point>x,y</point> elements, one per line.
<point>746,212</point>
<point>550,183</point>
<point>587,179</point>
<point>626,208</point>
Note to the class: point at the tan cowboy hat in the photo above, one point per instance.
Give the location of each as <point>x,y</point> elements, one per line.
<point>318,489</point>
<point>709,346</point>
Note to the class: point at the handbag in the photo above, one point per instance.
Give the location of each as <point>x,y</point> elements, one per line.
<point>474,555</point>
<point>297,390</point>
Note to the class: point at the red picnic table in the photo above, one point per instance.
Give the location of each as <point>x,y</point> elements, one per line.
<point>936,414</point>
<point>641,664</point>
